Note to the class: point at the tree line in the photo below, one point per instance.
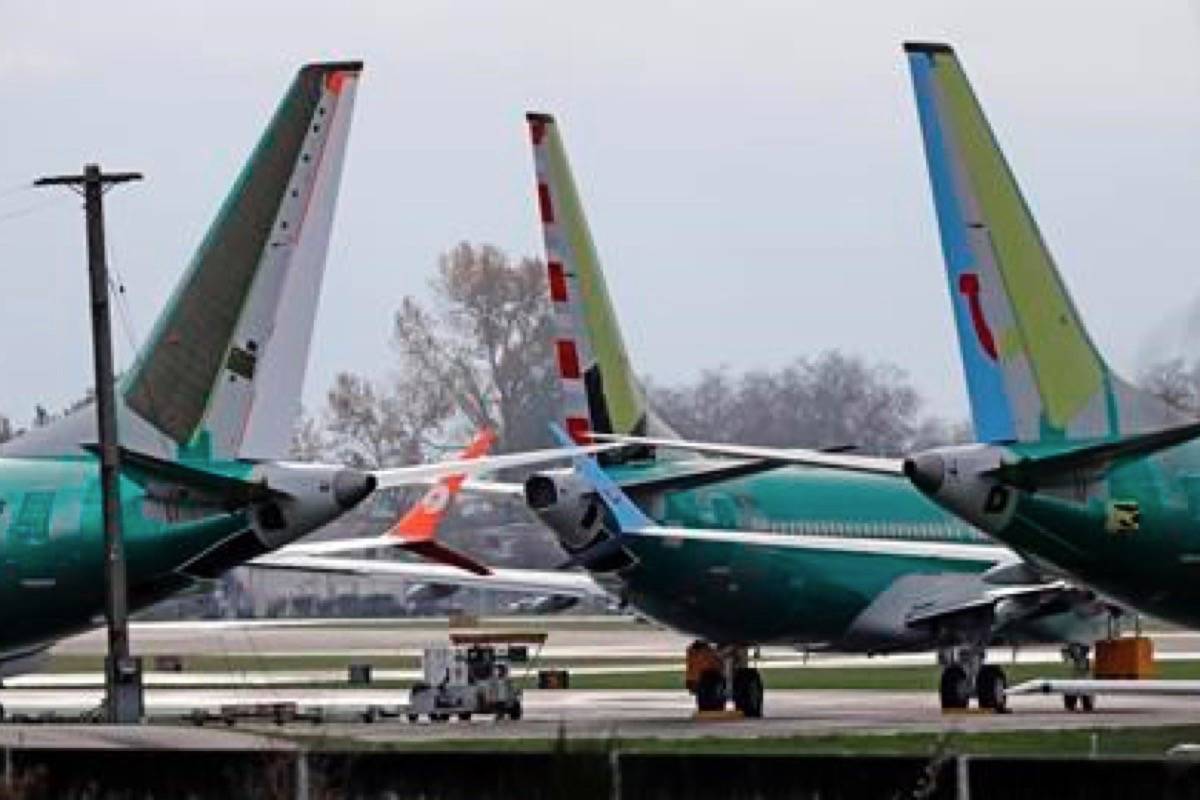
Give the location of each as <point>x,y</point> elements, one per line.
<point>479,353</point>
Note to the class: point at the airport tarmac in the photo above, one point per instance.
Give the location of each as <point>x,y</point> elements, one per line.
<point>599,714</point>
<point>604,643</point>
<point>594,638</point>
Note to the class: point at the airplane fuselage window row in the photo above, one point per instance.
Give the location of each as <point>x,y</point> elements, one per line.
<point>869,530</point>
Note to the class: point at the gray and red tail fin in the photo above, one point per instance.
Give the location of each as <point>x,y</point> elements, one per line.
<point>221,374</point>
<point>600,391</point>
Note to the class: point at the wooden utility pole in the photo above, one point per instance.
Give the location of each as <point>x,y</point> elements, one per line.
<point>122,674</point>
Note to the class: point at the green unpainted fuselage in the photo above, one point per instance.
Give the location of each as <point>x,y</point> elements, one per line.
<point>52,545</point>
<point>759,593</point>
<point>1133,535</point>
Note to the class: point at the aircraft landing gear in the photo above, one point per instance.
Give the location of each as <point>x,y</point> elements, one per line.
<point>1077,656</point>
<point>990,686</point>
<point>964,675</point>
<point>748,692</point>
<point>719,675</point>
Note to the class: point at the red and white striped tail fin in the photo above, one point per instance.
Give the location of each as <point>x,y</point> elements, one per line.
<point>570,340</point>
<point>599,389</point>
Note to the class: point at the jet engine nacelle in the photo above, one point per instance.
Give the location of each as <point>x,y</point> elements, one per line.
<point>568,506</point>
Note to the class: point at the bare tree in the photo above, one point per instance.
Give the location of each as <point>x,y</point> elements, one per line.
<point>935,432</point>
<point>308,439</point>
<point>369,425</point>
<point>485,342</point>
<point>1174,383</point>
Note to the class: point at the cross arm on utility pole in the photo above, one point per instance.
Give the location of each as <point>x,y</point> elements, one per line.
<point>101,177</point>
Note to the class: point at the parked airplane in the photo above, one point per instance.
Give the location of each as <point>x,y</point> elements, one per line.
<point>753,554</point>
<point>1075,466</point>
<point>205,413</point>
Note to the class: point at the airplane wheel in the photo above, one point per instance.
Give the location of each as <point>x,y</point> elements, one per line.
<point>990,685</point>
<point>1070,701</point>
<point>710,691</point>
<point>748,692</point>
<point>515,711</point>
<point>1087,703</point>
<point>954,689</point>
<point>413,717</point>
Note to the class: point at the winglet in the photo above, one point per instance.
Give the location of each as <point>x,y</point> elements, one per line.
<point>417,530</point>
<point>143,468</point>
<point>628,516</point>
<point>421,522</point>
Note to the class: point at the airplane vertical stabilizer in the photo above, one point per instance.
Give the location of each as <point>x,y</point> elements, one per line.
<point>222,372</point>
<point>600,390</point>
<point>1033,372</point>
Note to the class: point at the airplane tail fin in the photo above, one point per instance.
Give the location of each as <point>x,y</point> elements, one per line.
<point>600,391</point>
<point>1033,372</point>
<point>222,372</point>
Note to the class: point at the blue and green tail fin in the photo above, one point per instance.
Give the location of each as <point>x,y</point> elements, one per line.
<point>1033,372</point>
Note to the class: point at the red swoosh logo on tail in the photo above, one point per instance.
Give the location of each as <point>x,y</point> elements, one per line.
<point>968,284</point>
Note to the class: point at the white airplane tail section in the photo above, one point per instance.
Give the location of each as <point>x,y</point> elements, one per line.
<point>221,374</point>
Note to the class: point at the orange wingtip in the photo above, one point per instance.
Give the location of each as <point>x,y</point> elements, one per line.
<point>421,522</point>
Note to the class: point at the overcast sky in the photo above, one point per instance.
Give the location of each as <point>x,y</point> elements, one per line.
<point>752,170</point>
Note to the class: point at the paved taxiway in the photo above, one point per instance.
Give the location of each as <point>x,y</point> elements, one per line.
<point>620,714</point>
<point>604,643</point>
<point>592,638</point>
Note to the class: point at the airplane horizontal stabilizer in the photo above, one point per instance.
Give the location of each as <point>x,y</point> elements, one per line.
<point>1034,471</point>
<point>422,474</point>
<point>231,490</point>
<point>876,465</point>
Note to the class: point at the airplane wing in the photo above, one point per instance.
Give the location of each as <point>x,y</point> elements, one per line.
<point>556,582</point>
<point>875,465</point>
<point>1025,602</point>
